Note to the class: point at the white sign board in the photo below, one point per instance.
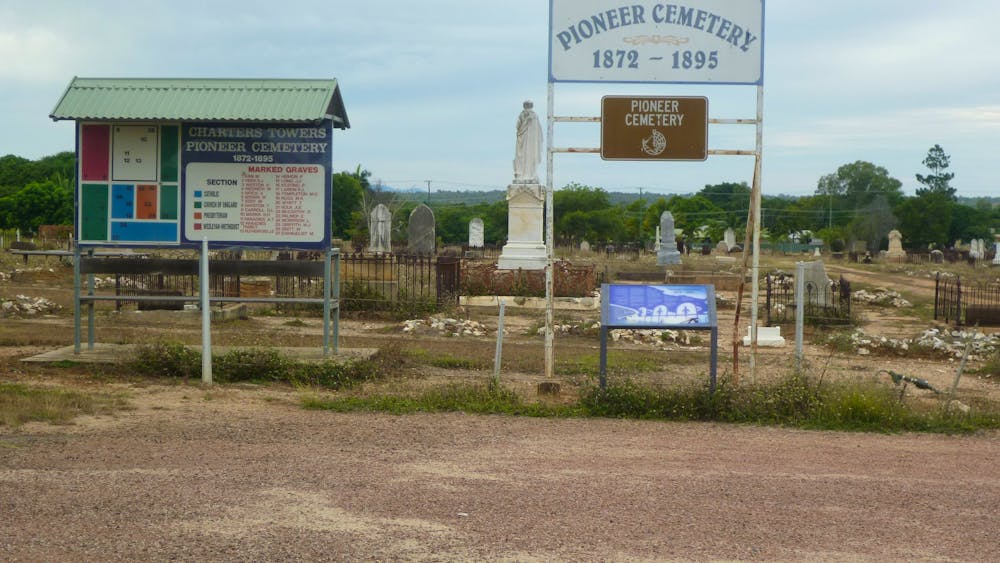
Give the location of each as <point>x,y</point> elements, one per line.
<point>255,202</point>
<point>695,41</point>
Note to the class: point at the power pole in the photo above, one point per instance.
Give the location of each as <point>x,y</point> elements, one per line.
<point>428,191</point>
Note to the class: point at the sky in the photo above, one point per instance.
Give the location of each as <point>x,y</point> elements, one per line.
<point>433,88</point>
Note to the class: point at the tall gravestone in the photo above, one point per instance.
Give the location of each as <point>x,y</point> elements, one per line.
<point>668,253</point>
<point>420,232</point>
<point>379,229</point>
<point>895,251</point>
<point>525,246</point>
<point>730,237</point>
<point>996,251</point>
<point>974,252</point>
<point>477,233</point>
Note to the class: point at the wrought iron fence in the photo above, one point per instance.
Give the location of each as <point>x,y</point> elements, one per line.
<point>825,304</point>
<point>969,304</point>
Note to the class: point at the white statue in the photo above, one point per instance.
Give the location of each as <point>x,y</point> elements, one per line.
<point>528,151</point>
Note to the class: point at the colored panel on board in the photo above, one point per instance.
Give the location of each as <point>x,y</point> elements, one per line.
<point>95,151</point>
<point>169,138</point>
<point>136,231</point>
<point>122,201</point>
<point>145,202</point>
<point>94,212</point>
<point>169,207</point>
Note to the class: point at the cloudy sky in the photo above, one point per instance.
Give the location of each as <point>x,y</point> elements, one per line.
<point>433,88</point>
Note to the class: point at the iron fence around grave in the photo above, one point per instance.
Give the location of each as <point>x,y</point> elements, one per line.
<point>966,304</point>
<point>399,282</point>
<point>825,304</point>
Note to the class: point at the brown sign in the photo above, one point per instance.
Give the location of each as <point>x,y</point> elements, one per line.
<point>654,128</point>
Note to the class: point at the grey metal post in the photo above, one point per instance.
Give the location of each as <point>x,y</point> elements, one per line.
<point>326,302</point>
<point>336,295</point>
<point>76,298</point>
<point>604,356</point>
<point>90,306</point>
<point>713,373</point>
<point>499,350</point>
<point>206,316</point>
<point>800,312</point>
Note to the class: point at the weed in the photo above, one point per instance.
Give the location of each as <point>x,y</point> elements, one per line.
<point>23,403</point>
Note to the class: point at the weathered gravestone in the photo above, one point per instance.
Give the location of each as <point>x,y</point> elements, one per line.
<point>668,253</point>
<point>722,247</point>
<point>477,233</point>
<point>584,246</point>
<point>817,284</point>
<point>895,251</point>
<point>379,230</point>
<point>420,231</point>
<point>729,237</point>
<point>974,251</point>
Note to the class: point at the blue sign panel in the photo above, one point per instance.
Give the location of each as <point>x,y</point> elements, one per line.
<point>257,185</point>
<point>659,306</point>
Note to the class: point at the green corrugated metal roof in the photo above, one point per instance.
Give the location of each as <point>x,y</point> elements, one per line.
<point>202,99</point>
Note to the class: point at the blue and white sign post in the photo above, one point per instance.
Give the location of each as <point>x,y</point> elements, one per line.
<point>718,42</point>
<point>683,307</point>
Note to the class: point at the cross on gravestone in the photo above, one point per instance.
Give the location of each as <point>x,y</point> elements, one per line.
<point>379,230</point>
<point>420,232</point>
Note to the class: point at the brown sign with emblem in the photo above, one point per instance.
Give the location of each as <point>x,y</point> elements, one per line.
<point>654,128</point>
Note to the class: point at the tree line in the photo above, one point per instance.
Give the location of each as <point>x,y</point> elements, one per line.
<point>860,201</point>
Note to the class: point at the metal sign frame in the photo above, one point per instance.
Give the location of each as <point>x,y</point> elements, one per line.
<point>666,306</point>
<point>753,222</point>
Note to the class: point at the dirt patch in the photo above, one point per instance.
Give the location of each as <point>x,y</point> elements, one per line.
<point>240,474</point>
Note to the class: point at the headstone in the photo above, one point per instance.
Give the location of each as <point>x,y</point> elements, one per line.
<point>668,253</point>
<point>525,248</point>
<point>722,247</point>
<point>937,257</point>
<point>895,251</point>
<point>584,246</point>
<point>996,251</point>
<point>730,238</point>
<point>379,229</point>
<point>420,232</point>
<point>974,252</point>
<point>477,233</point>
<point>817,283</point>
<point>656,244</point>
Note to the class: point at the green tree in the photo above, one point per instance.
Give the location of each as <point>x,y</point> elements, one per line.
<point>856,185</point>
<point>926,219</point>
<point>873,223</point>
<point>938,181</point>
<point>38,203</point>
<point>345,202</point>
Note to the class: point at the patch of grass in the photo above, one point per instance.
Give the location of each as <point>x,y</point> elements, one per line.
<point>23,403</point>
<point>620,362</point>
<point>794,401</point>
<point>473,398</point>
<point>259,365</point>
<point>448,361</point>
<point>295,322</point>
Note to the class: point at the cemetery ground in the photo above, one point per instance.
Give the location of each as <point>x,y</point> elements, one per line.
<point>147,467</point>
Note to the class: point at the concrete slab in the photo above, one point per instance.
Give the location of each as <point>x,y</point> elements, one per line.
<point>114,353</point>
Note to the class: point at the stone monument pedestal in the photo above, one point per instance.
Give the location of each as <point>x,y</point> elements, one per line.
<point>525,248</point>
<point>667,254</point>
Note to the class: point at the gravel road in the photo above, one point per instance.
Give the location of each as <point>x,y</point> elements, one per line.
<point>247,475</point>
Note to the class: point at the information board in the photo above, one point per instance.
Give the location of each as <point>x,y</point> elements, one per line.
<point>704,42</point>
<point>654,128</point>
<point>257,184</point>
<point>176,183</point>
<point>658,306</point>
<point>690,307</point>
